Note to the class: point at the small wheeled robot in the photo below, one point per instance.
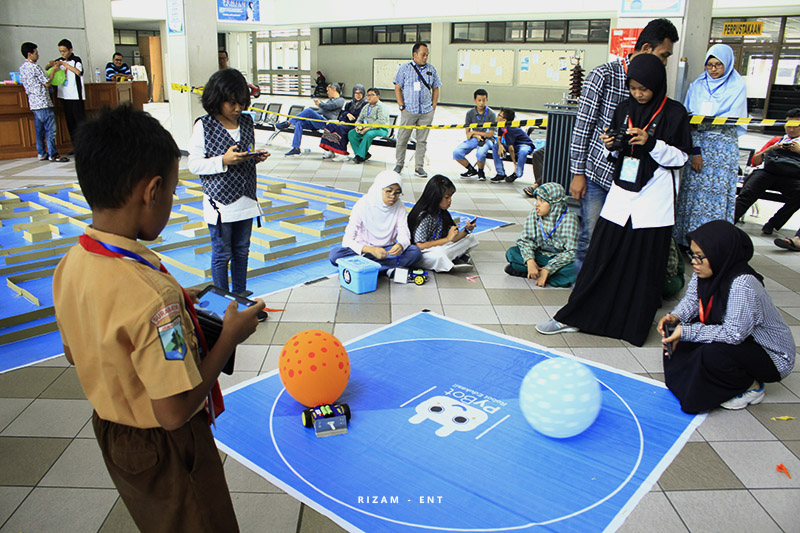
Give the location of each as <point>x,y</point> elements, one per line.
<point>329,419</point>
<point>418,276</point>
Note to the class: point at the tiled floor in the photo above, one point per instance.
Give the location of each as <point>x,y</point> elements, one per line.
<point>52,477</point>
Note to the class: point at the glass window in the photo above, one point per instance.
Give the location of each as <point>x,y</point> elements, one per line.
<point>284,33</point>
<point>127,37</point>
<point>410,33</point>
<point>515,31</point>
<point>284,55</point>
<point>599,31</point>
<point>424,31</point>
<point>351,35</point>
<point>116,37</point>
<point>534,31</point>
<point>496,32</point>
<point>555,30</point>
<point>338,36</point>
<point>770,31</point>
<point>395,34</point>
<point>460,32</point>
<point>788,66</point>
<point>578,31</point>
<point>326,36</point>
<point>380,35</point>
<point>262,34</point>
<point>477,31</point>
<point>365,34</point>
<point>792,32</point>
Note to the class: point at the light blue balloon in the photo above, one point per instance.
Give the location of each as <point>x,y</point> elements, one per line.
<point>560,397</point>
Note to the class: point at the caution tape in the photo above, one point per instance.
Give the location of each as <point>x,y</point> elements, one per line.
<point>538,122</point>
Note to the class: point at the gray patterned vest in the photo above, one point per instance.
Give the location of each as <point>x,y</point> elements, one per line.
<point>239,180</point>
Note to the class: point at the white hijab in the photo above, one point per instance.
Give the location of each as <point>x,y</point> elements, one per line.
<point>381,219</point>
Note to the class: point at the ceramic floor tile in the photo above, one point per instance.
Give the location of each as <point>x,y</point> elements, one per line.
<point>271,361</point>
<point>520,314</point>
<point>250,357</point>
<point>287,330</point>
<point>313,522</point>
<point>619,358</point>
<point>264,332</point>
<point>472,314</point>
<point>698,467</point>
<point>119,520</point>
<point>50,418</point>
<point>308,312</point>
<point>503,281</point>
<point>463,297</point>
<point>25,460</point>
<point>355,313</point>
<point>68,510</point>
<point>652,359</point>
<point>27,382</point>
<point>512,297</point>
<point>754,463</point>
<point>653,514</point>
<point>403,310</point>
<point>10,408</point>
<point>66,386</point>
<point>242,479</point>
<point>723,424</point>
<point>10,498</point>
<point>783,429</point>
<point>57,361</point>
<point>458,280</point>
<point>584,340</point>
<point>380,296</point>
<point>722,510</point>
<point>551,296</point>
<point>411,294</point>
<point>529,333</point>
<point>81,465</point>
<point>781,506</point>
<point>313,294</point>
<point>792,382</point>
<point>779,393</point>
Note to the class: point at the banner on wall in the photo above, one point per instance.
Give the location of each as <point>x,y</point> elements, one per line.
<point>622,42</point>
<point>238,10</point>
<point>175,17</point>
<point>652,8</point>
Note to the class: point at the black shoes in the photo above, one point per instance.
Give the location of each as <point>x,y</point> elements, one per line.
<point>499,178</point>
<point>471,171</point>
<point>767,229</point>
<point>511,271</point>
<point>358,160</point>
<point>511,178</point>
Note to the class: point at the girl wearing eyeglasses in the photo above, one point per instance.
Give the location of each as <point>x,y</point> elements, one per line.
<point>378,229</point>
<point>727,338</point>
<point>708,184</point>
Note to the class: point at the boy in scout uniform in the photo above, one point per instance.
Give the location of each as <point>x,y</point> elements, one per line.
<point>131,332</point>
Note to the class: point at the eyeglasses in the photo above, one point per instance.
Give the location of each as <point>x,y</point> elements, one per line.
<point>696,259</point>
<point>391,193</point>
<point>714,66</point>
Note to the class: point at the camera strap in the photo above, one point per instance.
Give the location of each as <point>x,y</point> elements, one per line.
<point>630,122</point>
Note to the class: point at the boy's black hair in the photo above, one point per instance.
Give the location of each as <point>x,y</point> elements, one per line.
<point>480,92</point>
<point>655,32</point>
<point>417,47</point>
<point>429,201</point>
<point>118,149</point>
<point>508,113</point>
<point>65,43</point>
<point>226,85</point>
<point>374,90</point>
<point>793,112</point>
<point>28,48</point>
<point>223,52</point>
<point>115,54</point>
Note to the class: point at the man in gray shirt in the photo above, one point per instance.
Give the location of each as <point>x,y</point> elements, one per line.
<point>480,139</point>
<point>330,111</point>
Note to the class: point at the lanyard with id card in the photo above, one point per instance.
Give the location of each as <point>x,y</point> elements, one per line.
<point>630,169</point>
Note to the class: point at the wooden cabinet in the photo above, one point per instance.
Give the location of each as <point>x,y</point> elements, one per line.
<point>17,129</point>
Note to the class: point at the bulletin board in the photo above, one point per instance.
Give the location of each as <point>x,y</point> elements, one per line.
<point>486,67</point>
<point>383,71</point>
<point>547,68</point>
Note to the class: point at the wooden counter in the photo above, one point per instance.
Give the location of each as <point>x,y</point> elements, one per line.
<point>17,131</point>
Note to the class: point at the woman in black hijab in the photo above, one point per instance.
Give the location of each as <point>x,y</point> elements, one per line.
<point>728,337</point>
<point>618,289</point>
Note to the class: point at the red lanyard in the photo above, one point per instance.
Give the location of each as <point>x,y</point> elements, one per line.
<point>664,101</point>
<point>214,399</point>
<point>705,313</point>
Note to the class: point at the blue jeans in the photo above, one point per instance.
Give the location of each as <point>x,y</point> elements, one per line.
<point>230,243</point>
<point>299,125</point>
<point>522,155</point>
<point>591,205</point>
<point>44,121</point>
<point>461,151</point>
<point>410,255</point>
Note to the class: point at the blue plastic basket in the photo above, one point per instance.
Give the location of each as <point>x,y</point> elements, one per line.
<point>358,274</point>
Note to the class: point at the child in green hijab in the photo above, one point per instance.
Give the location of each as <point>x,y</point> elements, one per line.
<point>546,249</point>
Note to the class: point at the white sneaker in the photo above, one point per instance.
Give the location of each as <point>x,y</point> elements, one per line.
<point>328,155</point>
<point>341,158</point>
<point>752,396</point>
<point>552,326</point>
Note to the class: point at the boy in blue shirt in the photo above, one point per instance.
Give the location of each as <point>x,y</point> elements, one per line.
<point>479,139</point>
<point>514,141</point>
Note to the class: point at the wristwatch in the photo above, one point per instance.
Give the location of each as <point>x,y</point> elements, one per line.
<point>402,108</point>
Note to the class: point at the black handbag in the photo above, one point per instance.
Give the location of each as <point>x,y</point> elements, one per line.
<point>782,162</point>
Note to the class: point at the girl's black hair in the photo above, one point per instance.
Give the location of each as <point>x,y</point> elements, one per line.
<point>428,204</point>
<point>226,85</point>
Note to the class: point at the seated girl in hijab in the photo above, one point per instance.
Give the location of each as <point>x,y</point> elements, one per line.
<point>728,338</point>
<point>444,247</point>
<point>378,229</point>
<point>334,136</point>
<point>546,249</point>
<point>618,289</point>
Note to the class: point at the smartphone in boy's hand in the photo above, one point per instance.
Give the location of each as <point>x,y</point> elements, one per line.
<point>668,330</point>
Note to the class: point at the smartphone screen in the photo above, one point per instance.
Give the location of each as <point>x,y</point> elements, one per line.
<point>217,303</point>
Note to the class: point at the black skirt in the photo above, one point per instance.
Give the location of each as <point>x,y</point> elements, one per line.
<point>618,289</point>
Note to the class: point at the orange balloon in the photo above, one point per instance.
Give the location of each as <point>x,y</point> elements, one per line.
<point>314,367</point>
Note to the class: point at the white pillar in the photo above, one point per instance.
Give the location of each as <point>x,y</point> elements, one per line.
<point>99,39</point>
<point>240,56</point>
<point>695,33</point>
<point>191,59</point>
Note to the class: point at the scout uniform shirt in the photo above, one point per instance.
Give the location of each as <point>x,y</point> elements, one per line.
<point>127,328</point>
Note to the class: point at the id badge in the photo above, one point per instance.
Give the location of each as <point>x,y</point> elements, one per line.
<point>707,108</point>
<point>630,168</point>
<point>417,86</point>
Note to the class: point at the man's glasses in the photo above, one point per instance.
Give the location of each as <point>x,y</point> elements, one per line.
<point>696,259</point>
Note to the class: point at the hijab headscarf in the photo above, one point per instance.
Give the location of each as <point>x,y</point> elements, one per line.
<point>354,106</point>
<point>552,193</point>
<point>727,93</point>
<point>381,219</point>
<point>670,122</point>
<point>728,250</point>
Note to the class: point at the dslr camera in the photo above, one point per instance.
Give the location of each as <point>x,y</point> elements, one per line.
<point>621,138</point>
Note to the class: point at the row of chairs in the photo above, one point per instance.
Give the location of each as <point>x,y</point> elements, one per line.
<point>267,121</point>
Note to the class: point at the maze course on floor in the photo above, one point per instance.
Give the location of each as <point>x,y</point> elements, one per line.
<point>300,224</point>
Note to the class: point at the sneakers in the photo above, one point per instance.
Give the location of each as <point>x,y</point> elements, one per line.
<point>511,178</point>
<point>358,160</point>
<point>420,172</point>
<point>481,175</point>
<point>59,159</point>
<point>293,151</point>
<point>511,271</point>
<point>553,326</point>
<point>261,316</point>
<point>341,158</point>
<point>767,229</point>
<point>398,168</point>
<point>367,156</point>
<point>471,171</point>
<point>462,263</point>
<point>282,125</point>
<point>752,396</point>
<point>499,178</point>
<point>328,155</point>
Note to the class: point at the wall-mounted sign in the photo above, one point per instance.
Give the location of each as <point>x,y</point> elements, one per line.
<point>735,29</point>
<point>238,10</point>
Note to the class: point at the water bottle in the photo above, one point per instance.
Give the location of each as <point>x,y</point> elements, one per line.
<point>97,75</point>
<point>306,150</point>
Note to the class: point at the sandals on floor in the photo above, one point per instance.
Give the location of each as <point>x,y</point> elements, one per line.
<point>786,244</point>
<point>59,159</point>
<point>530,192</point>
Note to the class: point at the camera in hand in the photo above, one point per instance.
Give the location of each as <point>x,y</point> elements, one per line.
<point>621,138</point>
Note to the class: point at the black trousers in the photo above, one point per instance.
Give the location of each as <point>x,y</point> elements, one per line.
<point>759,182</point>
<point>75,113</point>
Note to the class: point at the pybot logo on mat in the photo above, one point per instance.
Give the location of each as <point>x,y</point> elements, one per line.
<point>451,414</point>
